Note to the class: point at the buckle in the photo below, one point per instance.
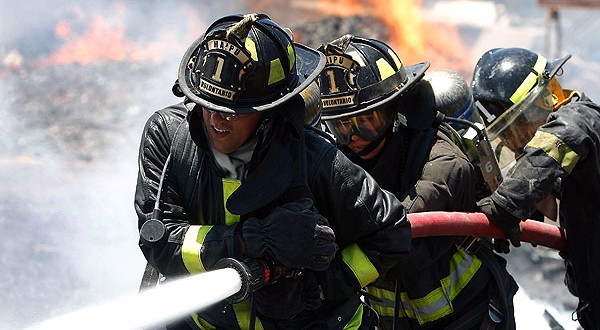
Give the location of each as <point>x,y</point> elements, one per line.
<point>470,244</point>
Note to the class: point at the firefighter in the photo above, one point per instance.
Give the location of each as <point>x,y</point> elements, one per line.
<point>383,116</point>
<point>555,135</point>
<point>233,172</point>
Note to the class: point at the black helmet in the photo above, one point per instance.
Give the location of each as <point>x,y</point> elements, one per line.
<point>245,64</point>
<point>510,85</point>
<point>503,76</point>
<point>362,75</point>
<point>452,94</point>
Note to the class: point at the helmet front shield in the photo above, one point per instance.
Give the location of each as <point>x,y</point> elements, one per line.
<point>517,125</point>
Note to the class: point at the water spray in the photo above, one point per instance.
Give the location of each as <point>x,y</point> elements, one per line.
<point>235,281</point>
<point>161,305</point>
<point>232,281</point>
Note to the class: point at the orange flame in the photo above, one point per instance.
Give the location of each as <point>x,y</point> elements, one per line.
<point>101,41</point>
<point>414,38</point>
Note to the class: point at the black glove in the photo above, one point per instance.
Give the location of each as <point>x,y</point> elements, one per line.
<point>289,296</point>
<point>506,221</point>
<point>293,235</point>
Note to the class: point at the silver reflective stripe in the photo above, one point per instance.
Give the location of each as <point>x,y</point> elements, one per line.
<point>437,303</point>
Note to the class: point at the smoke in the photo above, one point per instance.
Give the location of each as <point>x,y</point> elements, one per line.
<point>69,134</point>
<point>70,129</point>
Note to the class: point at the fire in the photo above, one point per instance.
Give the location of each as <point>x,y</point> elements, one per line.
<point>411,34</point>
<point>102,40</point>
<point>340,8</point>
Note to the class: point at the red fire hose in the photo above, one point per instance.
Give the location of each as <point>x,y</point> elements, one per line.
<point>476,224</point>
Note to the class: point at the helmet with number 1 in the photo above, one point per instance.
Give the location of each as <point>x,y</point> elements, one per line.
<point>245,64</point>
<point>363,77</point>
<point>515,90</point>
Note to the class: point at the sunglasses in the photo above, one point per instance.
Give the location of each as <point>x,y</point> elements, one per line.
<point>231,117</point>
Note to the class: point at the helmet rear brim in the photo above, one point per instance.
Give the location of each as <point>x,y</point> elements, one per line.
<point>557,64</point>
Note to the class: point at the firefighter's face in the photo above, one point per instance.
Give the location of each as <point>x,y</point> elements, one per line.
<point>227,133</point>
<point>360,131</point>
<point>517,135</point>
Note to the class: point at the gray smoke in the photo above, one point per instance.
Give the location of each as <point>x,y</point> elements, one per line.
<point>69,135</point>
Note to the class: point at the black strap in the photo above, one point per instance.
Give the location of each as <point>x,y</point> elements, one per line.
<point>151,275</point>
<point>507,287</point>
<point>150,278</point>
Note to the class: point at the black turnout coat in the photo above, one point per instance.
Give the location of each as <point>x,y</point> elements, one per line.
<point>369,223</point>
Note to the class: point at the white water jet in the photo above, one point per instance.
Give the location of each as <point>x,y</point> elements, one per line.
<point>154,306</point>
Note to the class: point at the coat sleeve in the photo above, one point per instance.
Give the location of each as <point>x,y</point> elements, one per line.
<point>189,245</point>
<point>570,135</point>
<point>447,183</point>
<point>155,145</point>
<point>370,224</point>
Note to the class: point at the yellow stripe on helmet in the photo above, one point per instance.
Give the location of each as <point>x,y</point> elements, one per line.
<point>530,80</point>
<point>385,69</point>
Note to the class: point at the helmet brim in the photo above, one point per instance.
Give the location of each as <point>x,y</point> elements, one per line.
<point>414,73</point>
<point>309,64</point>
<point>557,64</point>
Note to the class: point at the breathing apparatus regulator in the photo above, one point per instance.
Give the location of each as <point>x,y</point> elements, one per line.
<point>454,101</point>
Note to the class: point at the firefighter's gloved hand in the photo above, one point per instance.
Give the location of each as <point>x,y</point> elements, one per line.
<point>506,221</point>
<point>293,235</point>
<point>289,296</point>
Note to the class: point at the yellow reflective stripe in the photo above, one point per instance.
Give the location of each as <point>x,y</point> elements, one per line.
<point>437,303</point>
<point>229,186</point>
<point>202,324</point>
<point>242,314</point>
<point>276,72</point>
<point>190,249</point>
<point>385,69</point>
<point>356,320</point>
<point>357,57</point>
<point>555,148</point>
<point>384,305</point>
<point>530,80</point>
<point>360,265</point>
<point>395,57</point>
<point>291,56</point>
<point>250,45</point>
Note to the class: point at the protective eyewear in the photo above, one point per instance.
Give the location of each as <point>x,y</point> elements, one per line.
<point>368,126</point>
<point>227,116</point>
<point>517,125</point>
